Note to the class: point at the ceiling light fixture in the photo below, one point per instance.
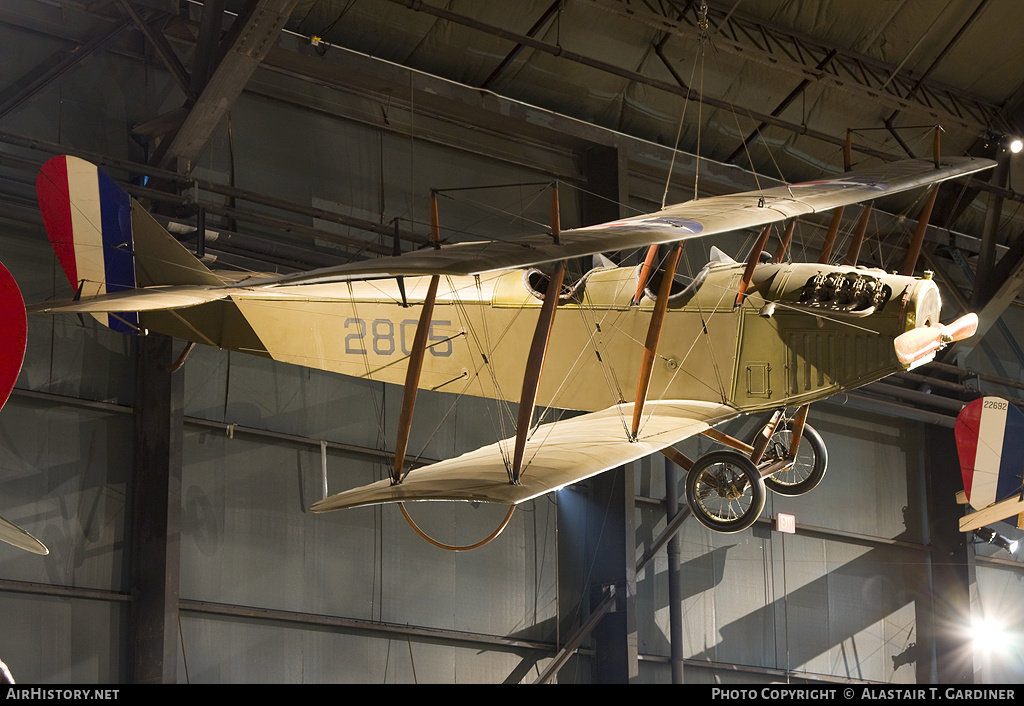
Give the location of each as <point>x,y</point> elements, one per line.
<point>990,536</point>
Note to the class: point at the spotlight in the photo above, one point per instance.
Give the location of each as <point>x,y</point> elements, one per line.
<point>1016,145</point>
<point>988,635</point>
<point>990,536</point>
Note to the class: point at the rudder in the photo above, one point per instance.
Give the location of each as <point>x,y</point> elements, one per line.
<point>105,241</point>
<point>990,443</point>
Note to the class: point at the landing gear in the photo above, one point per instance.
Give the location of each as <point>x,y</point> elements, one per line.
<point>807,468</point>
<point>725,491</point>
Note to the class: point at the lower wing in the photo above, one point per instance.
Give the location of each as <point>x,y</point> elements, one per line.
<point>558,454</point>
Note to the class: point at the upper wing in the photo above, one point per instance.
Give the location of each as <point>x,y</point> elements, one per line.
<point>558,453</point>
<point>717,214</point>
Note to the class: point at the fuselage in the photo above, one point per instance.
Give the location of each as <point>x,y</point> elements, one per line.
<point>803,332</point>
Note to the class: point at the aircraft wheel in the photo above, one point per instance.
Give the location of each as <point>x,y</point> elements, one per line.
<point>725,492</point>
<point>808,468</point>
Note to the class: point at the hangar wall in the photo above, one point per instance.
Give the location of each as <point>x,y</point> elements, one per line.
<point>268,592</point>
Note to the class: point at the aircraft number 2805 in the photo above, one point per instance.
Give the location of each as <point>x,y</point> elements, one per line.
<point>381,336</point>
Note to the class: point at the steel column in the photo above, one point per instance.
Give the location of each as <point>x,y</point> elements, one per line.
<point>156,520</point>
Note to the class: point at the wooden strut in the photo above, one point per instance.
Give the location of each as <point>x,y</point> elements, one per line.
<point>764,436</point>
<point>534,368</point>
<point>830,236</point>
<point>787,236</point>
<point>176,366</point>
<point>756,450</point>
<point>538,350</point>
<point>653,336</point>
<point>556,229</point>
<point>797,431</point>
<point>755,255</point>
<point>412,380</point>
<point>416,356</point>
<point>645,274</point>
<point>917,240</point>
<point>396,250</point>
<point>853,253</point>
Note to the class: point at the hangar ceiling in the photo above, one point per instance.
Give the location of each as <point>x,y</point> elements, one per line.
<point>772,86</point>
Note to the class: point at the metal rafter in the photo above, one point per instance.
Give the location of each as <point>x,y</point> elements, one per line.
<point>782,49</point>
<point>250,39</point>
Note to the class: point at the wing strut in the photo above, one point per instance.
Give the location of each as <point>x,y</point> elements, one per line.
<point>853,253</point>
<point>653,336</point>
<point>922,227</point>
<point>538,350</point>
<point>534,367</point>
<point>755,255</point>
<point>787,236</point>
<point>830,236</point>
<point>645,273</point>
<point>419,348</point>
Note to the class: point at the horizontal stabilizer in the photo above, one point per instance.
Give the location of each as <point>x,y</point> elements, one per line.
<point>697,218</point>
<point>558,454</point>
<point>1011,508</point>
<point>147,299</point>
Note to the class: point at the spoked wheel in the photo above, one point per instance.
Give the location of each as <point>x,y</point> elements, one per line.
<point>724,491</point>
<point>808,467</point>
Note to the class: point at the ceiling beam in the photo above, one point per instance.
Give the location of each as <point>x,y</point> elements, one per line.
<point>782,49</point>
<point>257,34</point>
<point>53,67</point>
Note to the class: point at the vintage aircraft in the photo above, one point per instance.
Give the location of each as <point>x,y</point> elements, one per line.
<point>989,435</point>
<point>649,360</point>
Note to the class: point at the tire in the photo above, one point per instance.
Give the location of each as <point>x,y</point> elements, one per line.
<point>725,492</point>
<point>809,467</point>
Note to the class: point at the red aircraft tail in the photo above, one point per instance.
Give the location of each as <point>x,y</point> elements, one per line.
<point>14,326</point>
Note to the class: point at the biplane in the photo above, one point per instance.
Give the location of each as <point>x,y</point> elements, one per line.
<point>643,358</point>
<point>989,434</point>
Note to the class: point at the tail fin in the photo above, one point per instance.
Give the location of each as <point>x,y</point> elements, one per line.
<point>105,241</point>
<point>990,443</point>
